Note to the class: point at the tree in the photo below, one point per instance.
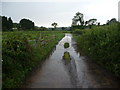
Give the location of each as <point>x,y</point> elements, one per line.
<point>78,19</point>
<point>10,23</point>
<point>43,28</point>
<point>26,24</point>
<point>107,22</point>
<point>86,22</point>
<point>91,21</point>
<point>63,28</point>
<point>7,23</point>
<point>54,24</point>
<point>113,20</point>
<point>15,25</point>
<point>98,23</point>
<point>4,23</point>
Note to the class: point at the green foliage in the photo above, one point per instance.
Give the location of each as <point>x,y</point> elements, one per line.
<point>113,20</point>
<point>77,27</point>
<point>66,45</point>
<point>78,18</point>
<point>54,24</point>
<point>21,51</point>
<point>17,55</point>
<point>79,23</point>
<point>102,44</point>
<point>10,23</point>
<point>7,23</point>
<point>16,26</point>
<point>26,24</point>
<point>78,31</point>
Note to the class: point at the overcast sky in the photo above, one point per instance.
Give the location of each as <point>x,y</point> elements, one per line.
<point>45,12</point>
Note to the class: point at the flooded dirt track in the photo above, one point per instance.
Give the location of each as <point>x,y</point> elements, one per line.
<point>79,72</point>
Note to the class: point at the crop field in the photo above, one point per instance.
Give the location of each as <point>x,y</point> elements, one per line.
<point>22,51</point>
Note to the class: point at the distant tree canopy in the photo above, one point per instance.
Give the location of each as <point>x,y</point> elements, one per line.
<point>78,22</point>
<point>43,28</point>
<point>113,20</point>
<point>26,24</point>
<point>90,22</point>
<point>54,24</point>
<point>78,19</point>
<point>7,23</point>
<point>16,25</point>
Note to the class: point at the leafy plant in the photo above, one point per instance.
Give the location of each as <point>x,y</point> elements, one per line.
<point>21,51</point>
<point>102,44</point>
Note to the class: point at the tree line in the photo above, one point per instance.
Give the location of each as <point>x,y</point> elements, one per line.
<point>79,22</point>
<point>24,24</point>
<point>7,23</point>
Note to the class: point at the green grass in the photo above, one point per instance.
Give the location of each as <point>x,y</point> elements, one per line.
<point>21,52</point>
<point>102,44</point>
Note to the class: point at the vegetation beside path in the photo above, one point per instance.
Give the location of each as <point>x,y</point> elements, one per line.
<point>22,51</point>
<point>102,44</point>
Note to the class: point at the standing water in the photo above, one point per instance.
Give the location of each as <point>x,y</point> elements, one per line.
<point>79,72</point>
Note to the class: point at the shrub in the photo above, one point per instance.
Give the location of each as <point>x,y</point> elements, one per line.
<point>78,31</point>
<point>17,55</point>
<point>21,52</point>
<point>102,44</point>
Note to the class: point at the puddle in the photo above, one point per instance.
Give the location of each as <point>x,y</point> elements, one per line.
<point>79,72</point>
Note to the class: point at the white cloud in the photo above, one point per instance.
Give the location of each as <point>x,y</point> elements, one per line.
<point>61,11</point>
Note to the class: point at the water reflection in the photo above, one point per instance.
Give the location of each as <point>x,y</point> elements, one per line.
<point>75,71</point>
<point>70,68</point>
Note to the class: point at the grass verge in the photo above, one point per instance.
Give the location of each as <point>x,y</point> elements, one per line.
<point>102,44</point>
<point>21,52</point>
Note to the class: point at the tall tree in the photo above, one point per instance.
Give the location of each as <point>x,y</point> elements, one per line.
<point>54,24</point>
<point>7,23</point>
<point>4,23</point>
<point>26,24</point>
<point>10,23</point>
<point>78,19</point>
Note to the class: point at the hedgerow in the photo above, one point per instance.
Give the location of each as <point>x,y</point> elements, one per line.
<point>102,44</point>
